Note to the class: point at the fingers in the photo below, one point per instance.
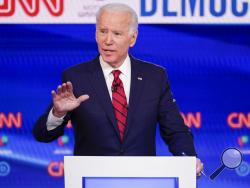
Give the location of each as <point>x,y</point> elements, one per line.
<point>53,93</point>
<point>83,98</point>
<point>198,170</point>
<point>62,89</point>
<point>199,167</point>
<point>59,90</point>
<point>66,89</point>
<point>69,87</point>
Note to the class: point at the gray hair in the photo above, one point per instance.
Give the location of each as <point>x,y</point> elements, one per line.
<point>120,7</point>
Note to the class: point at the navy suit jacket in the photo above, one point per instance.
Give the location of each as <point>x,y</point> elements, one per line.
<point>95,128</point>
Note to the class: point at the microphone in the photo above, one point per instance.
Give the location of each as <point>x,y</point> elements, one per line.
<point>115,87</point>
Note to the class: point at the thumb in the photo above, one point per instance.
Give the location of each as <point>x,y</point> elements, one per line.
<point>82,98</point>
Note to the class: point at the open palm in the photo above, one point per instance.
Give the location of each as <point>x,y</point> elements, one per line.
<point>64,99</point>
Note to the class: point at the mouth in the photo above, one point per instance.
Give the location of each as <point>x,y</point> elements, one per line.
<point>108,50</point>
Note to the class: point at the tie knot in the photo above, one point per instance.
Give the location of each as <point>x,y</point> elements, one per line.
<point>116,73</point>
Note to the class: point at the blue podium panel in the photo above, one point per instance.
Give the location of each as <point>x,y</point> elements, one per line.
<point>133,182</point>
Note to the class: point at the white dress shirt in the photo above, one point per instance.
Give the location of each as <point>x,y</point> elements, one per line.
<point>125,76</point>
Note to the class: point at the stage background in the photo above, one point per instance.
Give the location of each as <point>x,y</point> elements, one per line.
<point>208,67</point>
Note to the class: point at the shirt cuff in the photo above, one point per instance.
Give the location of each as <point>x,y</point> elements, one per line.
<point>53,121</point>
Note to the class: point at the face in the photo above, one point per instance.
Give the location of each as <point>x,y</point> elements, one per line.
<point>114,37</point>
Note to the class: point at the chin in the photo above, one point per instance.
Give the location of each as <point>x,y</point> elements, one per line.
<point>109,60</point>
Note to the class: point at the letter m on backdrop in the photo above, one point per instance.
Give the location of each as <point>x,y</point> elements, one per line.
<point>31,7</point>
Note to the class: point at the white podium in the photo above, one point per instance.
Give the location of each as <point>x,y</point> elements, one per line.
<point>129,172</point>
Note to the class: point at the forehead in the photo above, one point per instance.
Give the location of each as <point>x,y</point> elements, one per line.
<point>114,20</point>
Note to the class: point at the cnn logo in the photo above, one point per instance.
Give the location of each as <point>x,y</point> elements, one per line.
<point>31,7</point>
<point>238,120</point>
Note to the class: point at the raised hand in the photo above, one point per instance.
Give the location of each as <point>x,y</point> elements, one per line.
<point>64,100</point>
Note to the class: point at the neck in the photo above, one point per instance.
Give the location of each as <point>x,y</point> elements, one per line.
<point>116,65</point>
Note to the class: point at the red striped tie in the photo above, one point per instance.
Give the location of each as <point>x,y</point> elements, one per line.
<point>119,102</point>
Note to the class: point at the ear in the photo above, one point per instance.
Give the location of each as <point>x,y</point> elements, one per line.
<point>133,39</point>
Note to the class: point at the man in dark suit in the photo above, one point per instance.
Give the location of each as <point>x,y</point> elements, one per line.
<point>117,100</point>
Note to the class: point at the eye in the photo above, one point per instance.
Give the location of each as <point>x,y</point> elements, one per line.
<point>103,31</point>
<point>117,33</point>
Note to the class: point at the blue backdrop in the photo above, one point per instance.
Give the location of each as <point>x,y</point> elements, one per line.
<point>208,68</point>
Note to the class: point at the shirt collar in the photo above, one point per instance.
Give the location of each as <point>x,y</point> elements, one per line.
<point>125,68</point>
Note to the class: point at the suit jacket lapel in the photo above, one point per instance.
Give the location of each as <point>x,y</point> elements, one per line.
<point>98,82</point>
<point>137,83</point>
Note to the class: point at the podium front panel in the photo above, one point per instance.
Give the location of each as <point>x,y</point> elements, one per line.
<point>82,171</point>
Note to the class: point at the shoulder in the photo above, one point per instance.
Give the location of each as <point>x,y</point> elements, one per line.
<point>81,68</point>
<point>148,67</point>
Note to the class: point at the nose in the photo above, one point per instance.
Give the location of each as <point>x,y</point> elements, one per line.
<point>109,39</point>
